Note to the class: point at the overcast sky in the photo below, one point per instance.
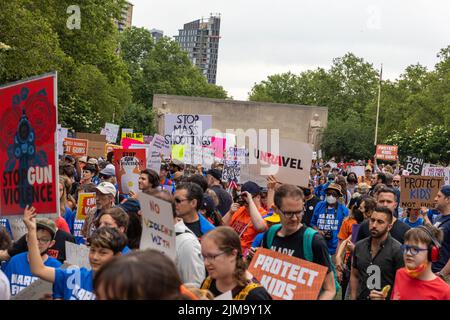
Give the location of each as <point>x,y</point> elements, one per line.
<point>264,37</point>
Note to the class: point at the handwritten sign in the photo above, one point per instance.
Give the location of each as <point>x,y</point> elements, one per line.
<point>286,277</point>
<point>77,255</point>
<point>436,171</point>
<point>231,171</point>
<point>387,153</point>
<point>158,230</point>
<point>414,165</point>
<point>419,191</point>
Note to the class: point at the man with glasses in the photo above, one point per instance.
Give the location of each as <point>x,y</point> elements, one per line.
<point>188,199</point>
<point>246,216</point>
<point>376,259</point>
<point>288,238</point>
<point>18,268</point>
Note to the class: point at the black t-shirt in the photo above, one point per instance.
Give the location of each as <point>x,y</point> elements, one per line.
<point>292,245</point>
<point>195,228</point>
<point>58,251</point>
<point>397,232</point>
<point>225,200</point>
<point>309,210</point>
<point>258,293</point>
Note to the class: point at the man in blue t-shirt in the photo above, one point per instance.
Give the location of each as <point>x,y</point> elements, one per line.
<point>17,269</point>
<point>328,216</point>
<point>73,283</point>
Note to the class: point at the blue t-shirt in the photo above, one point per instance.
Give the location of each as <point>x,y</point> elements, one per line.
<point>5,223</point>
<point>419,222</point>
<point>74,283</point>
<point>69,216</point>
<point>76,229</point>
<point>19,273</point>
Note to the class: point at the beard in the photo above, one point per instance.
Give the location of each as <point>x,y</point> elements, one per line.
<point>378,234</point>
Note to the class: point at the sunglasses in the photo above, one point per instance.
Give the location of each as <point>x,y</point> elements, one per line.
<point>178,201</point>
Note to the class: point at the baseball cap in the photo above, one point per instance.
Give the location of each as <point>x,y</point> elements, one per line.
<point>107,188</point>
<point>109,170</point>
<point>446,190</point>
<point>208,203</point>
<point>46,224</point>
<point>251,187</point>
<point>216,173</point>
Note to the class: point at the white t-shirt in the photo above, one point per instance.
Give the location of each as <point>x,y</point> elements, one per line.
<point>5,291</point>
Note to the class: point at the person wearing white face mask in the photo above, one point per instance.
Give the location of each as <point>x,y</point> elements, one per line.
<point>328,216</point>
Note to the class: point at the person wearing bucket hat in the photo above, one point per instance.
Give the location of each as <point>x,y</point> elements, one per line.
<point>442,266</point>
<point>329,215</point>
<point>18,271</point>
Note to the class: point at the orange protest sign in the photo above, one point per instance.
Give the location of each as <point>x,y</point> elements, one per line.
<point>86,204</point>
<point>387,153</point>
<point>285,277</point>
<point>76,147</point>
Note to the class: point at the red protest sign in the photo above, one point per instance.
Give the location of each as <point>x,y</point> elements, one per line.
<point>285,277</point>
<point>129,163</point>
<point>86,204</point>
<point>76,147</point>
<point>28,167</point>
<point>387,153</point>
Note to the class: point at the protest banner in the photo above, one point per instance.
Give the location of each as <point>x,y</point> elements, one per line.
<point>291,165</point>
<point>128,164</point>
<point>286,277</point>
<point>158,230</point>
<point>86,204</point>
<point>231,171</point>
<point>187,129</point>
<point>111,131</point>
<point>76,147</point>
<point>77,255</point>
<point>35,291</point>
<point>111,147</point>
<point>28,147</point>
<point>419,191</point>
<point>97,143</point>
<point>436,171</point>
<point>414,164</point>
<point>62,134</point>
<point>358,170</point>
<point>387,153</point>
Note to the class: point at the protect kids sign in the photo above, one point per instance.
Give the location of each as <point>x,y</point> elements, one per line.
<point>28,147</point>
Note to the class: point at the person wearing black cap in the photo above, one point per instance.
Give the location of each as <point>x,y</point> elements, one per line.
<point>247,220</point>
<point>442,266</point>
<point>209,210</point>
<point>18,268</point>
<point>214,177</point>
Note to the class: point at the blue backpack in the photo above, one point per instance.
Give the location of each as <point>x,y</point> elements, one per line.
<point>307,247</point>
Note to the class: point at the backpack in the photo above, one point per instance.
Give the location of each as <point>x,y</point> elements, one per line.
<point>307,247</point>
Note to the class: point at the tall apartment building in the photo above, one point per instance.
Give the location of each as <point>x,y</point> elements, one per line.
<point>126,17</point>
<point>200,38</point>
<point>156,34</point>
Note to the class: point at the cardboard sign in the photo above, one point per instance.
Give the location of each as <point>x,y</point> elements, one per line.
<point>35,291</point>
<point>77,255</point>
<point>290,165</point>
<point>419,191</point>
<point>97,143</point>
<point>158,230</point>
<point>187,129</point>
<point>437,171</point>
<point>414,165</point>
<point>111,131</point>
<point>128,164</point>
<point>86,204</point>
<point>76,147</point>
<point>285,277</point>
<point>28,146</point>
<point>231,171</point>
<point>387,153</point>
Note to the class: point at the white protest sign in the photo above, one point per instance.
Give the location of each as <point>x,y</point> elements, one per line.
<point>158,230</point>
<point>187,129</point>
<point>435,171</point>
<point>77,255</point>
<point>231,171</point>
<point>62,134</point>
<point>111,131</point>
<point>18,228</point>
<point>358,170</point>
<point>290,164</point>
<point>158,147</point>
<point>35,291</point>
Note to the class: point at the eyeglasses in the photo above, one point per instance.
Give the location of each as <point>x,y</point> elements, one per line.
<point>211,258</point>
<point>396,181</point>
<point>290,214</point>
<point>43,240</point>
<point>178,201</point>
<point>413,250</point>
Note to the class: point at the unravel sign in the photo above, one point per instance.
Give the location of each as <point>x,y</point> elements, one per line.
<point>28,147</point>
<point>286,277</point>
